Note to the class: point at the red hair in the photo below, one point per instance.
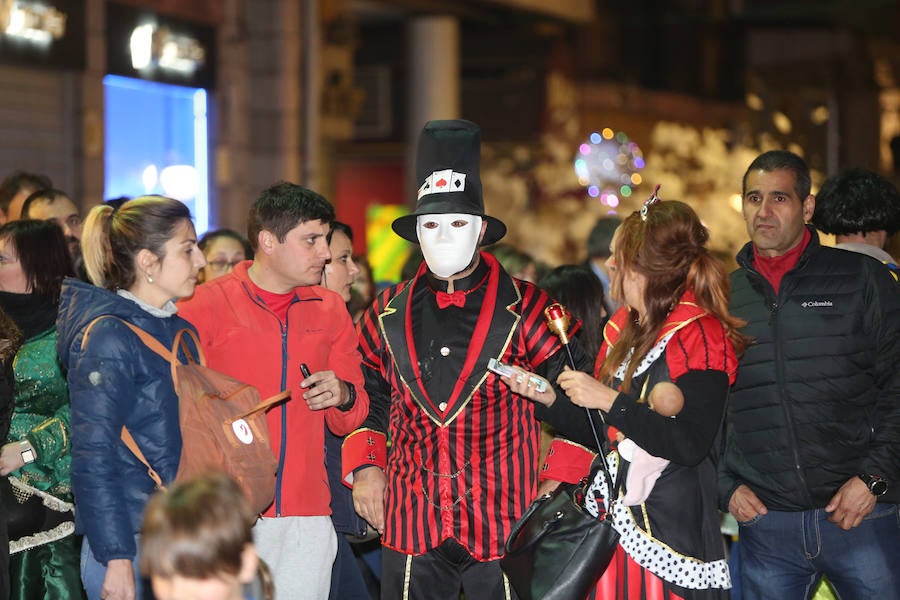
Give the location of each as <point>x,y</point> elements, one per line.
<point>669,249</point>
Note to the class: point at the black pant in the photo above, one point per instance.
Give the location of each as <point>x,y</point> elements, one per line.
<point>4,554</point>
<point>440,574</point>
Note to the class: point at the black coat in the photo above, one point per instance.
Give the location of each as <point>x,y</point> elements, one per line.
<point>6,399</point>
<point>6,408</point>
<point>817,395</point>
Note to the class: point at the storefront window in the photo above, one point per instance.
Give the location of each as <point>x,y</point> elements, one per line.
<point>156,143</point>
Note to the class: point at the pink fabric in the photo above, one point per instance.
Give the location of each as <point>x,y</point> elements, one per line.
<point>642,473</point>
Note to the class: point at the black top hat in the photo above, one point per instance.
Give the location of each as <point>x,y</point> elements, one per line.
<point>449,177</point>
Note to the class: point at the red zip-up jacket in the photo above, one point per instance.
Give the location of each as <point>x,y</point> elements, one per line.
<point>243,338</point>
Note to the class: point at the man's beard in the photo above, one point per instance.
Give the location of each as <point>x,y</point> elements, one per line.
<point>74,247</point>
<point>77,258</point>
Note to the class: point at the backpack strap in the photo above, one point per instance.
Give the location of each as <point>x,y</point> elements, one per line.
<point>153,344</point>
<point>264,405</point>
<point>169,355</point>
<point>180,343</point>
<point>136,450</point>
<point>90,326</point>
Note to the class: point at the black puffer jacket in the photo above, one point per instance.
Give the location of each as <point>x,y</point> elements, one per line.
<point>817,395</point>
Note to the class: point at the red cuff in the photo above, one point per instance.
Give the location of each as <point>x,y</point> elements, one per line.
<point>361,448</point>
<point>566,461</point>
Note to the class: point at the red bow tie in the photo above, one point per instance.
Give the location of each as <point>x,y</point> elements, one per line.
<point>457,298</point>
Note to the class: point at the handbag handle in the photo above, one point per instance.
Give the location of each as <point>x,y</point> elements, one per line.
<point>526,518</point>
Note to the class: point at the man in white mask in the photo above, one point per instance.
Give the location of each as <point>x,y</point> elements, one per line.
<point>449,241</point>
<point>464,457</point>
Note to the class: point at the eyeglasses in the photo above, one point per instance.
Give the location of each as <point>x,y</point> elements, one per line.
<point>221,265</point>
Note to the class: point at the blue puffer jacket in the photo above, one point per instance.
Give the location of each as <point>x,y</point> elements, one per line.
<point>114,381</point>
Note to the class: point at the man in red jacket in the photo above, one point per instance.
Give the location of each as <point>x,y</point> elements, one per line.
<point>464,452</point>
<point>260,323</point>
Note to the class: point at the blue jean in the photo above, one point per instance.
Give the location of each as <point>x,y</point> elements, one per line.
<point>785,554</point>
<point>93,573</point>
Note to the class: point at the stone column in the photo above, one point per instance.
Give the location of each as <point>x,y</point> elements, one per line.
<point>434,80</point>
<point>274,51</point>
<point>259,103</point>
<point>230,124</point>
<point>88,111</point>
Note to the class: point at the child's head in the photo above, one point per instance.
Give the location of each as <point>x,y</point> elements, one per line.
<point>666,399</point>
<point>196,540</point>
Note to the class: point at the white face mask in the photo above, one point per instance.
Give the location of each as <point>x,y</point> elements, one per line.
<point>448,241</point>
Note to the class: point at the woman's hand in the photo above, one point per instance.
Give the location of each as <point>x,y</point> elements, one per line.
<point>118,584</point>
<point>525,384</point>
<point>11,456</point>
<point>583,390</point>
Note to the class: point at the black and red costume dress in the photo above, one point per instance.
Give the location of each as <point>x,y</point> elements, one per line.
<point>670,545</point>
<point>464,450</point>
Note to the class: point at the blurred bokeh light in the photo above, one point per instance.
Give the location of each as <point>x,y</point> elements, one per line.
<point>607,165</point>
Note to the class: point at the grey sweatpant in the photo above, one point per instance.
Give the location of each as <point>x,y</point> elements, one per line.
<point>300,552</point>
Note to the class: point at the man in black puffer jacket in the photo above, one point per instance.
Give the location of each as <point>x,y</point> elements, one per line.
<point>812,461</point>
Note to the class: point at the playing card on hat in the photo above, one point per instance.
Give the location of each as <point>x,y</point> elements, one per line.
<point>448,163</point>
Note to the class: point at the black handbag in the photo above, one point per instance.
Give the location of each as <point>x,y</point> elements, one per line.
<point>557,550</point>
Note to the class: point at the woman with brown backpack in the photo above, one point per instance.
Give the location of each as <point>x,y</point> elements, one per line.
<point>141,258</point>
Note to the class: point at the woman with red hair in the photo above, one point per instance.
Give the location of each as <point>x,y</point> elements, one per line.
<point>673,327</point>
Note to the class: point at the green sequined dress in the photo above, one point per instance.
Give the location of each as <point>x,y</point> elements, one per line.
<point>45,565</point>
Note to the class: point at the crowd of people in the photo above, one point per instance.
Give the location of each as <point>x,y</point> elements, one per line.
<point>771,393</point>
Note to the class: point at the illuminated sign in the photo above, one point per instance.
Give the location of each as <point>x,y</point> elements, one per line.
<point>145,44</point>
<point>43,33</point>
<point>153,46</point>
<point>31,21</point>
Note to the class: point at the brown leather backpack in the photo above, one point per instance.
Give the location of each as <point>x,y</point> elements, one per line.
<point>223,421</point>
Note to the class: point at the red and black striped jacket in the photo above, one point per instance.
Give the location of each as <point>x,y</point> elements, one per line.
<point>468,471</point>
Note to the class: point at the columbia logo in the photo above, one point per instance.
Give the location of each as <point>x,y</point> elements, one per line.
<point>815,303</point>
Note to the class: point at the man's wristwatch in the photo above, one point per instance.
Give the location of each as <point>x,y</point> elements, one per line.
<point>351,389</point>
<point>27,452</point>
<point>876,484</point>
